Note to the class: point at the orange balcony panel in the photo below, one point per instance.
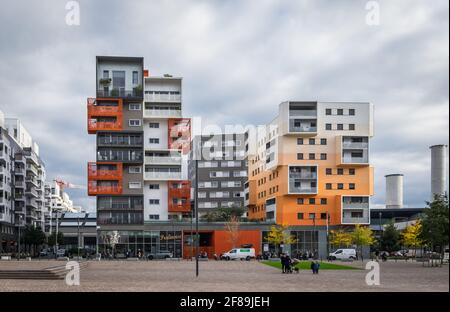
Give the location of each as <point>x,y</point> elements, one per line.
<point>186,207</point>
<point>94,126</point>
<point>179,190</point>
<point>95,189</point>
<point>96,174</point>
<point>96,111</point>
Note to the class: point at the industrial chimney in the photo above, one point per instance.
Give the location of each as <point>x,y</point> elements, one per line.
<point>438,169</point>
<point>394,191</point>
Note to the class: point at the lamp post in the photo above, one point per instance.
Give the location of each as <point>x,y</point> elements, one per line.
<point>56,240</point>
<point>196,219</point>
<point>380,228</point>
<point>20,224</point>
<point>78,237</point>
<point>96,242</point>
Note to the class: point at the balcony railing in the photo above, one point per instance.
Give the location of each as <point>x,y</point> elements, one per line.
<point>169,160</point>
<point>151,97</point>
<point>186,207</point>
<point>149,113</point>
<point>357,145</point>
<point>355,160</point>
<point>302,129</point>
<point>94,125</point>
<point>101,110</point>
<point>94,189</point>
<point>94,173</point>
<point>355,205</point>
<point>302,190</point>
<point>303,175</point>
<point>300,113</point>
<point>149,175</point>
<point>120,93</point>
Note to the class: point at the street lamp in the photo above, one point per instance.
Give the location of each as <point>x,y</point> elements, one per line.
<point>96,242</point>
<point>380,229</point>
<point>20,224</point>
<point>78,236</point>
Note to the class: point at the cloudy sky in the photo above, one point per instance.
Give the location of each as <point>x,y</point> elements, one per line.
<point>241,56</point>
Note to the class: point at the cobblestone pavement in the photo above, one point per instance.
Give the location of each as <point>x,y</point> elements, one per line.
<point>235,276</point>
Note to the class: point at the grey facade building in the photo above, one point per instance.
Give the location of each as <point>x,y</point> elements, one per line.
<point>222,170</point>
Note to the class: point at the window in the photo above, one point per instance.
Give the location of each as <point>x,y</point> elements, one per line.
<point>323,141</point>
<point>351,127</point>
<point>323,216</point>
<point>134,169</point>
<point>135,77</point>
<point>153,141</point>
<point>357,155</point>
<point>153,201</point>
<point>312,156</point>
<point>134,122</point>
<point>312,216</point>
<point>154,186</point>
<point>351,171</point>
<point>351,186</point>
<point>300,216</point>
<point>134,185</point>
<point>340,171</point>
<point>328,126</point>
<point>201,194</point>
<point>323,201</point>
<point>299,156</point>
<point>328,111</point>
<point>340,186</point>
<point>154,125</point>
<point>300,201</point>
<point>153,217</point>
<point>134,107</point>
<point>323,156</point>
<point>340,111</point>
<point>357,214</point>
<point>351,112</point>
<point>118,77</point>
<point>328,171</point>
<point>340,127</point>
<point>312,141</point>
<point>312,201</point>
<point>300,141</point>
<point>106,74</point>
<point>328,186</point>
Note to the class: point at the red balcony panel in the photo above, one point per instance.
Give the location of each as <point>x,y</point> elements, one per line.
<point>179,190</point>
<point>179,130</point>
<point>96,111</point>
<point>99,174</point>
<point>95,189</point>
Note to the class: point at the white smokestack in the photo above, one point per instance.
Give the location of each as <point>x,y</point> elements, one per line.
<point>394,191</point>
<point>438,169</point>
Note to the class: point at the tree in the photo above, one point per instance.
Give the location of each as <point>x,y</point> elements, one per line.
<point>223,214</point>
<point>340,238</point>
<point>232,227</point>
<point>33,237</point>
<point>362,236</point>
<point>435,224</point>
<point>51,239</point>
<point>279,235</point>
<point>411,236</point>
<point>389,240</point>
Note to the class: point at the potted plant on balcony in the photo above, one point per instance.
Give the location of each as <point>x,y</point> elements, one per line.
<point>114,92</point>
<point>105,81</point>
<point>137,90</point>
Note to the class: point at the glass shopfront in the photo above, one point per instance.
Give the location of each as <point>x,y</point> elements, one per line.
<point>123,244</point>
<point>306,243</point>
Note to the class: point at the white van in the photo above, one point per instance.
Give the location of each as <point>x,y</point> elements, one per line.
<point>343,254</point>
<point>239,253</point>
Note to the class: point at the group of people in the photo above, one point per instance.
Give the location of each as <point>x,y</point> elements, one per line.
<point>288,264</point>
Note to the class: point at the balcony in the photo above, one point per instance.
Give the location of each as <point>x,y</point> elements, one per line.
<point>162,97</point>
<point>355,210</point>
<point>135,93</point>
<point>95,189</point>
<point>302,126</point>
<point>162,113</point>
<point>105,174</point>
<point>163,160</point>
<point>302,179</point>
<point>94,125</point>
<point>31,203</point>
<point>31,192</point>
<point>104,114</point>
<point>158,175</point>
<point>353,150</point>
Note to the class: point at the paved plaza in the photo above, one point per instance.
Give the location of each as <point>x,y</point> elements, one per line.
<point>235,276</point>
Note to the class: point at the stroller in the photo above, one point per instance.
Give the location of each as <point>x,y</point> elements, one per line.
<point>293,266</point>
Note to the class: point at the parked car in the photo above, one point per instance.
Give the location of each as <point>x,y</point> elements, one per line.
<point>60,253</point>
<point>43,253</point>
<point>239,253</point>
<point>159,255</point>
<point>343,254</point>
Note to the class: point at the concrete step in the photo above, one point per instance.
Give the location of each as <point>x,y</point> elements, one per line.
<point>52,273</point>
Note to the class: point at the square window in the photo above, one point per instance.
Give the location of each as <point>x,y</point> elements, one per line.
<point>323,201</point>
<point>134,122</point>
<point>340,127</point>
<point>134,107</point>
<point>312,201</point>
<point>312,141</point>
<point>300,141</point>
<point>299,156</point>
<point>323,141</point>
<point>328,186</point>
<point>312,216</point>
<point>351,112</point>
<point>312,156</point>
<point>340,112</point>
<point>323,156</point>
<point>300,201</point>
<point>300,216</point>
<point>328,126</point>
<point>351,186</point>
<point>328,171</point>
<point>323,216</point>
<point>340,186</point>
<point>351,171</point>
<point>328,111</point>
<point>154,125</point>
<point>351,127</point>
<point>340,171</point>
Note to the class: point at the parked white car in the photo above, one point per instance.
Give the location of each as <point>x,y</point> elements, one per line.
<point>343,254</point>
<point>239,253</point>
<point>446,255</point>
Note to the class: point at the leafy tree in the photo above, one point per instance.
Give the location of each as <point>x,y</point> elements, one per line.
<point>390,238</point>
<point>51,239</point>
<point>435,224</point>
<point>362,236</point>
<point>340,238</point>
<point>223,214</point>
<point>232,227</point>
<point>33,236</point>
<point>279,235</point>
<point>411,236</point>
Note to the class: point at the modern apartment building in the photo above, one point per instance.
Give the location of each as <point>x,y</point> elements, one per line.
<point>57,202</point>
<point>22,179</point>
<point>310,169</point>
<point>222,171</point>
<point>139,175</point>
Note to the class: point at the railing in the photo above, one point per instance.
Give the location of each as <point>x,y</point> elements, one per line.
<point>94,108</point>
<point>355,145</point>
<point>351,220</point>
<point>355,160</point>
<point>355,205</point>
<point>308,113</point>
<point>186,207</point>
<point>116,142</point>
<point>114,93</point>
<point>32,192</point>
<point>94,189</point>
<point>162,175</point>
<point>171,160</point>
<point>94,125</point>
<point>162,113</point>
<point>93,172</point>
<point>298,190</point>
<point>302,175</point>
<point>302,129</point>
<point>151,97</point>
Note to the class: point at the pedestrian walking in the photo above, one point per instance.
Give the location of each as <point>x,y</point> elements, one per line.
<point>283,263</point>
